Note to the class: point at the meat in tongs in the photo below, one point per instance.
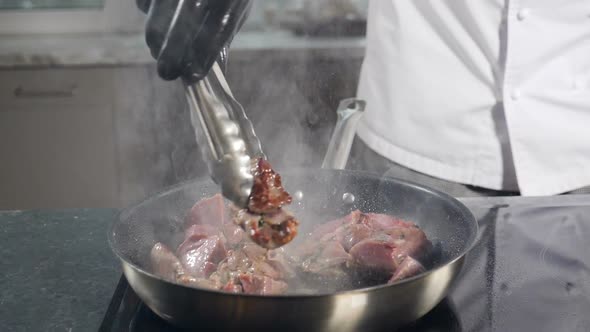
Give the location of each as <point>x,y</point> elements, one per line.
<point>236,162</point>
<point>265,220</point>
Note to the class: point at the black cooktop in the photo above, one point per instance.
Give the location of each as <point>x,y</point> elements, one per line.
<point>530,271</point>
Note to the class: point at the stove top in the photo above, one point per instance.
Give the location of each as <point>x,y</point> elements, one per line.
<point>530,271</point>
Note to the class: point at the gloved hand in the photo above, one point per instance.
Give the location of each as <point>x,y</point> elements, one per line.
<point>187,36</point>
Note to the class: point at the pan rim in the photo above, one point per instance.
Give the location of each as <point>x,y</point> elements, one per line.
<point>470,242</point>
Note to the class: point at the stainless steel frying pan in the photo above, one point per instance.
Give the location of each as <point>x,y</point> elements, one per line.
<point>444,219</point>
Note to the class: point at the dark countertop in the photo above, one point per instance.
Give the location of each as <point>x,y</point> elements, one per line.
<point>59,274</point>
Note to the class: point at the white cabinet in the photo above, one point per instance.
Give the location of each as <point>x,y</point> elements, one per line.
<point>57,139</point>
<point>91,137</point>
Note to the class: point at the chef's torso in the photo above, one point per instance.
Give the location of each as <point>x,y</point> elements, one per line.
<point>492,93</point>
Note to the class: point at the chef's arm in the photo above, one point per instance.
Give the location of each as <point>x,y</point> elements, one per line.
<point>187,36</point>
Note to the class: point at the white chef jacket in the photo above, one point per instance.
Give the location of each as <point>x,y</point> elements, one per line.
<point>491,93</point>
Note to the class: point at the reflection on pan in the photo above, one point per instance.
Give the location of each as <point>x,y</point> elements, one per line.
<point>128,314</point>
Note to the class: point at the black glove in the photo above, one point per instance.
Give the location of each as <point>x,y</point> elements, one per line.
<point>187,36</point>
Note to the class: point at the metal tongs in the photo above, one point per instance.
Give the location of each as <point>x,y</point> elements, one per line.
<point>229,144</point>
<point>225,135</point>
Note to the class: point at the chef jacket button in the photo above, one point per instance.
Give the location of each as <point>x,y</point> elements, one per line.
<point>515,95</point>
<point>523,13</point>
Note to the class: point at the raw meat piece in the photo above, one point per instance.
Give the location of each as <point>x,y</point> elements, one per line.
<point>197,232</point>
<point>253,251</point>
<point>264,268</point>
<point>386,250</point>
<point>375,254</point>
<point>200,258</point>
<point>196,282</point>
<point>334,225</point>
<point>237,260</point>
<point>280,263</point>
<point>408,268</point>
<point>331,256</point>
<point>410,241</point>
<point>379,221</point>
<point>216,254</point>
<point>336,229</point>
<point>369,243</point>
<point>208,211</point>
<point>252,258</point>
<point>354,234</point>
<point>233,234</point>
<point>261,285</point>
<point>165,263</point>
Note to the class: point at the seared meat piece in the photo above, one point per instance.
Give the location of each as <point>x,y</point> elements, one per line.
<point>268,194</point>
<point>265,221</point>
<point>268,230</point>
<point>230,287</point>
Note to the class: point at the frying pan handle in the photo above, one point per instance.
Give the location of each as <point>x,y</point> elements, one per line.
<point>349,112</point>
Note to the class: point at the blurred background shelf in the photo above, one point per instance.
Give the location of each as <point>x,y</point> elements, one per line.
<point>86,122</point>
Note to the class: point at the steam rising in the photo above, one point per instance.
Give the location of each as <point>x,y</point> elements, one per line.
<point>290,95</point>
<point>281,112</point>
